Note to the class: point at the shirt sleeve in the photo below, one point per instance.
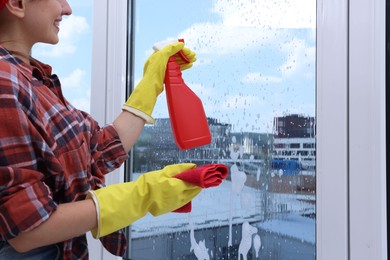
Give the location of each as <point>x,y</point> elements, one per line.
<point>25,200</point>
<point>107,151</point>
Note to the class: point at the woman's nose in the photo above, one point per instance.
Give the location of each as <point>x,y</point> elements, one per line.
<point>66,9</point>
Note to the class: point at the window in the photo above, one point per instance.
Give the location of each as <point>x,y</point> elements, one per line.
<point>344,49</point>
<point>309,145</point>
<point>295,145</point>
<point>255,74</point>
<point>279,145</point>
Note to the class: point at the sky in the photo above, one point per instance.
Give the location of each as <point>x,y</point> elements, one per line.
<point>71,57</point>
<point>255,58</point>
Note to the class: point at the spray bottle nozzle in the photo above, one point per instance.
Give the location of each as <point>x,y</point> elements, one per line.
<point>159,45</point>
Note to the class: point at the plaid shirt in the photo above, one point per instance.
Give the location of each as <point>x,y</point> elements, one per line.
<point>50,153</point>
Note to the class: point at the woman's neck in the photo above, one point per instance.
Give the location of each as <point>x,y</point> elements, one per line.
<point>18,50</point>
<point>25,58</point>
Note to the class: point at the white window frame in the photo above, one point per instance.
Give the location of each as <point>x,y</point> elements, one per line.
<point>108,81</point>
<point>367,130</point>
<point>351,132</point>
<point>332,130</point>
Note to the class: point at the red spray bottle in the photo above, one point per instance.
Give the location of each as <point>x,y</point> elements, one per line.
<point>186,112</point>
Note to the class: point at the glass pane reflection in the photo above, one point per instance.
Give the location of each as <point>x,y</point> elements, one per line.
<point>255,74</point>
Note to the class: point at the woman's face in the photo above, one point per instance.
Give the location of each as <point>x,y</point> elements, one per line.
<point>42,19</point>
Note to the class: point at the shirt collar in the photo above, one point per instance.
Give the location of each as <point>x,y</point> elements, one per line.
<point>36,69</point>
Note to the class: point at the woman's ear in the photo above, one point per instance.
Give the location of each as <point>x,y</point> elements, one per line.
<point>16,7</point>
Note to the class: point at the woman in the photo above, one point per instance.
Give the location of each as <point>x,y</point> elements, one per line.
<point>53,157</point>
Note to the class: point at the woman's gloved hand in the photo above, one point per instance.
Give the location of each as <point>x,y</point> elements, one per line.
<point>142,100</point>
<point>191,57</point>
<point>157,192</point>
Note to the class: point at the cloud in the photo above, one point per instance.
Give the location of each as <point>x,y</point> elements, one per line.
<point>83,104</point>
<point>199,89</point>
<point>241,102</point>
<point>299,55</point>
<point>249,24</point>
<point>77,90</point>
<point>72,26</point>
<point>220,39</point>
<point>74,79</point>
<point>258,78</point>
<point>71,29</point>
<point>290,14</point>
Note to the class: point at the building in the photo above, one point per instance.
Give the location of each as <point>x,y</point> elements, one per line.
<point>294,140</point>
<point>156,146</point>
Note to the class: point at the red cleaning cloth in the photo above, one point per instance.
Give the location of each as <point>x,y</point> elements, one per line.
<point>205,176</point>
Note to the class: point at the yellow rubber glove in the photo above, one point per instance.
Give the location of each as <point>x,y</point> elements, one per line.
<point>190,55</point>
<point>157,192</point>
<point>142,100</point>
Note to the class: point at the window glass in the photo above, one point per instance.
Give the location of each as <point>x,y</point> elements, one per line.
<point>71,57</point>
<point>255,74</point>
